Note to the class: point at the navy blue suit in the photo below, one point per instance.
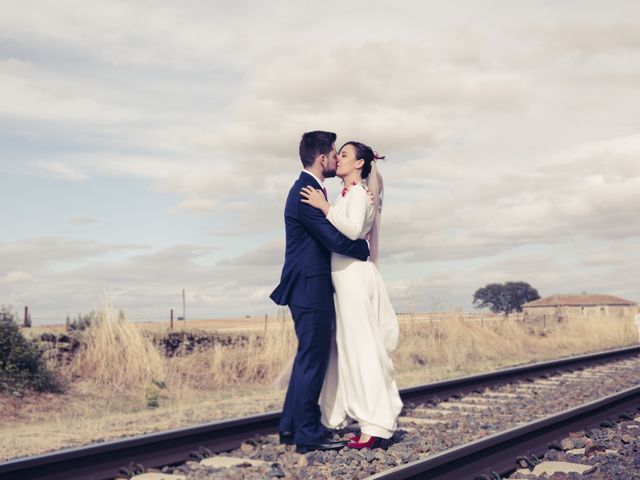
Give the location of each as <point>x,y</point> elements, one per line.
<point>305,286</point>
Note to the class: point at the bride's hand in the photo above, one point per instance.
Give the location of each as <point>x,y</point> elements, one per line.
<point>315,198</point>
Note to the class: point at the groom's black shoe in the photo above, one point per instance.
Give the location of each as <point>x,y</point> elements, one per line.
<point>322,444</point>
<point>286,438</point>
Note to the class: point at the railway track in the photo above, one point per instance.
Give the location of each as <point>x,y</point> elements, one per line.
<point>496,455</point>
<point>454,429</point>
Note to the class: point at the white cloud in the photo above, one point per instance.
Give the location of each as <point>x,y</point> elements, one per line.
<point>83,220</point>
<point>592,36</point>
<point>16,276</point>
<point>146,285</point>
<point>268,255</point>
<point>393,92</point>
<point>591,190</point>
<point>39,255</point>
<point>62,170</point>
<point>511,138</point>
<point>194,205</point>
<point>39,95</point>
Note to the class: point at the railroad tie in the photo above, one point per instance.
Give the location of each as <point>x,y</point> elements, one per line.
<point>419,421</point>
<point>581,451</point>
<point>548,382</point>
<point>430,411</point>
<point>407,428</point>
<point>529,386</point>
<point>226,462</point>
<point>506,395</point>
<point>158,476</point>
<point>454,405</point>
<point>553,467</point>
<point>485,400</point>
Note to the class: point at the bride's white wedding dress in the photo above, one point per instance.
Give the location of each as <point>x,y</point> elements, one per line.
<point>359,382</point>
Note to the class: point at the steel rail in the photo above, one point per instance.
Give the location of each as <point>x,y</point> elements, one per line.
<point>462,385</point>
<point>498,452</point>
<point>102,461</point>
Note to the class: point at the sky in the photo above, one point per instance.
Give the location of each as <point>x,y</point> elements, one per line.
<point>148,147</point>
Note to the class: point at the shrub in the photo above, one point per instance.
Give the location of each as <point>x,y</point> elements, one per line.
<point>21,364</point>
<point>81,322</point>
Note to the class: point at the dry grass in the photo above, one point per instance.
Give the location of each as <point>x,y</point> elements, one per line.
<point>117,355</point>
<point>455,344</point>
<point>252,364</point>
<point>120,385</point>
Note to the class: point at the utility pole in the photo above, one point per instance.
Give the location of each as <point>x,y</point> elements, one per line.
<point>184,309</point>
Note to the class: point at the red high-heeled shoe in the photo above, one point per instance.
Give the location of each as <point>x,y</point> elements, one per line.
<point>373,442</point>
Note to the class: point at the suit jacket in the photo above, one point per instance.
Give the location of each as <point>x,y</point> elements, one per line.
<point>306,274</point>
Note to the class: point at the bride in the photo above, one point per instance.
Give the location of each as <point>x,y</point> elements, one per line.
<point>359,382</point>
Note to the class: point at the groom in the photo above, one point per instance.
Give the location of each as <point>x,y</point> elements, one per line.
<point>305,286</point>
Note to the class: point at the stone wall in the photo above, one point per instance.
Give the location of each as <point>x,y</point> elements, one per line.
<point>62,347</point>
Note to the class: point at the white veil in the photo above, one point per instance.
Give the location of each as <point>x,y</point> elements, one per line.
<point>376,187</point>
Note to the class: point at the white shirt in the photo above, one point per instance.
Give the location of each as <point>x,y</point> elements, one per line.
<point>316,178</point>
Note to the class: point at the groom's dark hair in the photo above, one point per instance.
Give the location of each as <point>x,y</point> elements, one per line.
<point>313,144</point>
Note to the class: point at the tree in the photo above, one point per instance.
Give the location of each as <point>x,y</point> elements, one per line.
<point>505,298</point>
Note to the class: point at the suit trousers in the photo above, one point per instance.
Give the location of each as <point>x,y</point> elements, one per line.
<point>301,413</point>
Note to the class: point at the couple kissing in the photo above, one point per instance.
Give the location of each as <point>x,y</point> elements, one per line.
<point>345,324</point>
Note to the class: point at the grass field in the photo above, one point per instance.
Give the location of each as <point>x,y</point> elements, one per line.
<point>121,385</point>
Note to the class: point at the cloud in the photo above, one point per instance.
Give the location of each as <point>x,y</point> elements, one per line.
<point>113,33</point>
<point>590,190</point>
<point>62,170</point>
<point>83,220</point>
<point>511,139</point>
<point>40,95</point>
<point>393,92</point>
<point>591,36</point>
<point>194,205</point>
<point>268,255</point>
<point>41,254</point>
<point>143,284</point>
<point>16,277</point>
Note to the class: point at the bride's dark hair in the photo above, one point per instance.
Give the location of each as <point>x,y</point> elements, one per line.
<point>365,153</point>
